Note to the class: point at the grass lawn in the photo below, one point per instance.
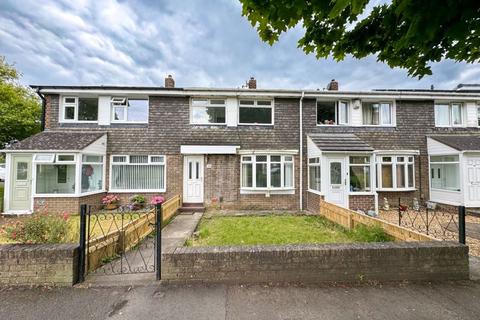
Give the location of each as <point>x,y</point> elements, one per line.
<point>251,230</point>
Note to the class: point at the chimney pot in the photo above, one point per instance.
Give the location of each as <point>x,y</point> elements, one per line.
<point>169,82</point>
<point>252,83</point>
<point>333,85</point>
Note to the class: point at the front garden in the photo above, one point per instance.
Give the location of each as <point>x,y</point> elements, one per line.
<point>280,229</point>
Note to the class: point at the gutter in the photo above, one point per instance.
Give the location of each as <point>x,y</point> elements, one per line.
<point>44,105</point>
<point>301,150</point>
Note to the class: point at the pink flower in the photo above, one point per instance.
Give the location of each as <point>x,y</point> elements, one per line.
<point>157,200</point>
<point>65,216</point>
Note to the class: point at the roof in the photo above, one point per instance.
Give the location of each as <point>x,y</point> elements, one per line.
<point>339,142</point>
<point>460,143</point>
<point>51,140</point>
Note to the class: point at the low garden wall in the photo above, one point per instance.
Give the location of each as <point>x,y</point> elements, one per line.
<point>38,264</point>
<point>357,262</point>
<point>349,219</point>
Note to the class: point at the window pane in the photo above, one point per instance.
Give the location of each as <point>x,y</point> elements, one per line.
<point>55,178</point>
<point>256,115</point>
<point>387,176</point>
<point>315,178</point>
<point>217,101</point>
<point>359,178</point>
<point>157,159</point>
<point>137,110</point>
<point>264,103</point>
<point>442,116</point>
<point>138,159</point>
<point>386,113</point>
<point>261,175</point>
<point>69,113</point>
<point>208,115</point>
<point>119,159</point>
<point>138,177</point>
<point>443,158</point>
<point>45,157</point>
<point>288,175</point>
<point>335,173</point>
<point>92,177</point>
<point>400,176</point>
<point>410,176</point>
<point>359,160</point>
<point>69,100</point>
<point>22,171</point>
<point>275,158</point>
<point>456,114</point>
<point>66,157</point>
<point>261,158</point>
<point>247,174</point>
<point>371,113</point>
<point>447,176</point>
<point>275,175</point>
<point>119,113</point>
<point>247,102</point>
<point>92,158</point>
<point>326,112</point>
<point>87,109</point>
<point>342,112</point>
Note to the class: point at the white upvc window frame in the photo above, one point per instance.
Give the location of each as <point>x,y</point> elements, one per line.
<point>122,102</point>
<point>409,160</point>
<point>208,103</point>
<point>316,164</point>
<point>283,160</point>
<point>371,169</point>
<point>255,105</point>
<point>459,165</point>
<point>450,114</point>
<point>393,109</point>
<point>74,105</point>
<point>149,162</point>
<point>348,105</point>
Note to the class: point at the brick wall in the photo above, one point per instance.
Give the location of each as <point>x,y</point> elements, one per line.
<point>38,264</point>
<point>65,204</point>
<point>393,261</point>
<point>313,202</point>
<point>362,202</point>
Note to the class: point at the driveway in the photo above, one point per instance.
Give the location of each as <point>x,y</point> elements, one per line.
<point>453,300</point>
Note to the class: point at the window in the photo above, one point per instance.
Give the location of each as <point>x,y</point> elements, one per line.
<point>396,172</point>
<point>360,174</point>
<point>80,109</point>
<point>255,112</point>
<point>55,178</point>
<point>267,172</point>
<point>377,113</point>
<point>207,111</point>
<point>66,158</point>
<point>138,173</point>
<point>332,112</point>
<point>445,172</point>
<point>129,110</point>
<point>92,173</point>
<point>448,114</point>
<point>314,174</point>
<point>22,171</point>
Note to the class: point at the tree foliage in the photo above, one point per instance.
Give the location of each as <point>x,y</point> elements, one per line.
<point>20,109</point>
<point>409,34</point>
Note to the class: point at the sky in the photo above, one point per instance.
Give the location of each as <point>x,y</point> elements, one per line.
<point>202,43</point>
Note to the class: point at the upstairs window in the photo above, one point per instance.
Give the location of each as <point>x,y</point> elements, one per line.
<point>207,111</point>
<point>448,114</point>
<point>332,112</point>
<point>129,110</point>
<point>80,109</point>
<point>256,112</point>
<point>377,113</point>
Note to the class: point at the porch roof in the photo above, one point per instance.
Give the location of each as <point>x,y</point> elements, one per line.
<point>57,140</point>
<point>460,142</point>
<point>340,142</point>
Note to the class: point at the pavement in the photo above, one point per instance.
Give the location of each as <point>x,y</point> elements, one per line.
<point>450,300</point>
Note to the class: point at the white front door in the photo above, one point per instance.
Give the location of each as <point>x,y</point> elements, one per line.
<point>193,179</point>
<point>21,183</point>
<point>337,186</point>
<point>473,181</point>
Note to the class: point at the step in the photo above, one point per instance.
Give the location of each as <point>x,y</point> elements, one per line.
<point>191,209</point>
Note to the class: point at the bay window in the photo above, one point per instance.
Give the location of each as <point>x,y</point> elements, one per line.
<point>332,113</point>
<point>207,111</point>
<point>129,110</point>
<point>314,174</point>
<point>267,172</point>
<point>377,113</point>
<point>445,172</point>
<point>258,112</point>
<point>79,109</point>
<point>132,173</point>
<point>448,114</point>
<point>396,172</point>
<point>360,174</point>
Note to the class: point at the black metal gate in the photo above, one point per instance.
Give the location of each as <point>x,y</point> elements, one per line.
<point>119,241</point>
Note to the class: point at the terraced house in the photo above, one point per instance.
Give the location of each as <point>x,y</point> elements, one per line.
<point>249,148</point>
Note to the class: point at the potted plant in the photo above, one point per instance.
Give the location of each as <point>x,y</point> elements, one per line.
<point>110,201</point>
<point>137,202</point>
<point>157,200</point>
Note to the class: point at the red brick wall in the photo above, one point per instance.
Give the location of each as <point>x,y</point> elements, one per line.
<point>361,202</point>
<point>65,204</point>
<point>313,202</point>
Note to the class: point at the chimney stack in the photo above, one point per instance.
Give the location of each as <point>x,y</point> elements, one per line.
<point>169,82</point>
<point>252,83</point>
<point>333,85</point>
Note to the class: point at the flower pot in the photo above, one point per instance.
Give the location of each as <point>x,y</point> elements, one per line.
<point>111,206</point>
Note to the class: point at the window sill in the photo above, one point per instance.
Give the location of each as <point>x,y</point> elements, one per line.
<point>446,190</point>
<point>396,190</point>
<point>266,192</point>
<point>207,124</point>
<point>136,191</point>
<point>315,192</point>
<point>55,195</point>
<point>129,122</point>
<point>361,193</point>
<point>84,194</point>
<point>256,124</point>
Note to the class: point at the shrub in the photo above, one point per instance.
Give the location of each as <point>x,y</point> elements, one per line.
<point>39,228</point>
<point>137,199</point>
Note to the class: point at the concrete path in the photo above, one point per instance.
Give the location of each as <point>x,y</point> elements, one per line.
<point>453,300</point>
